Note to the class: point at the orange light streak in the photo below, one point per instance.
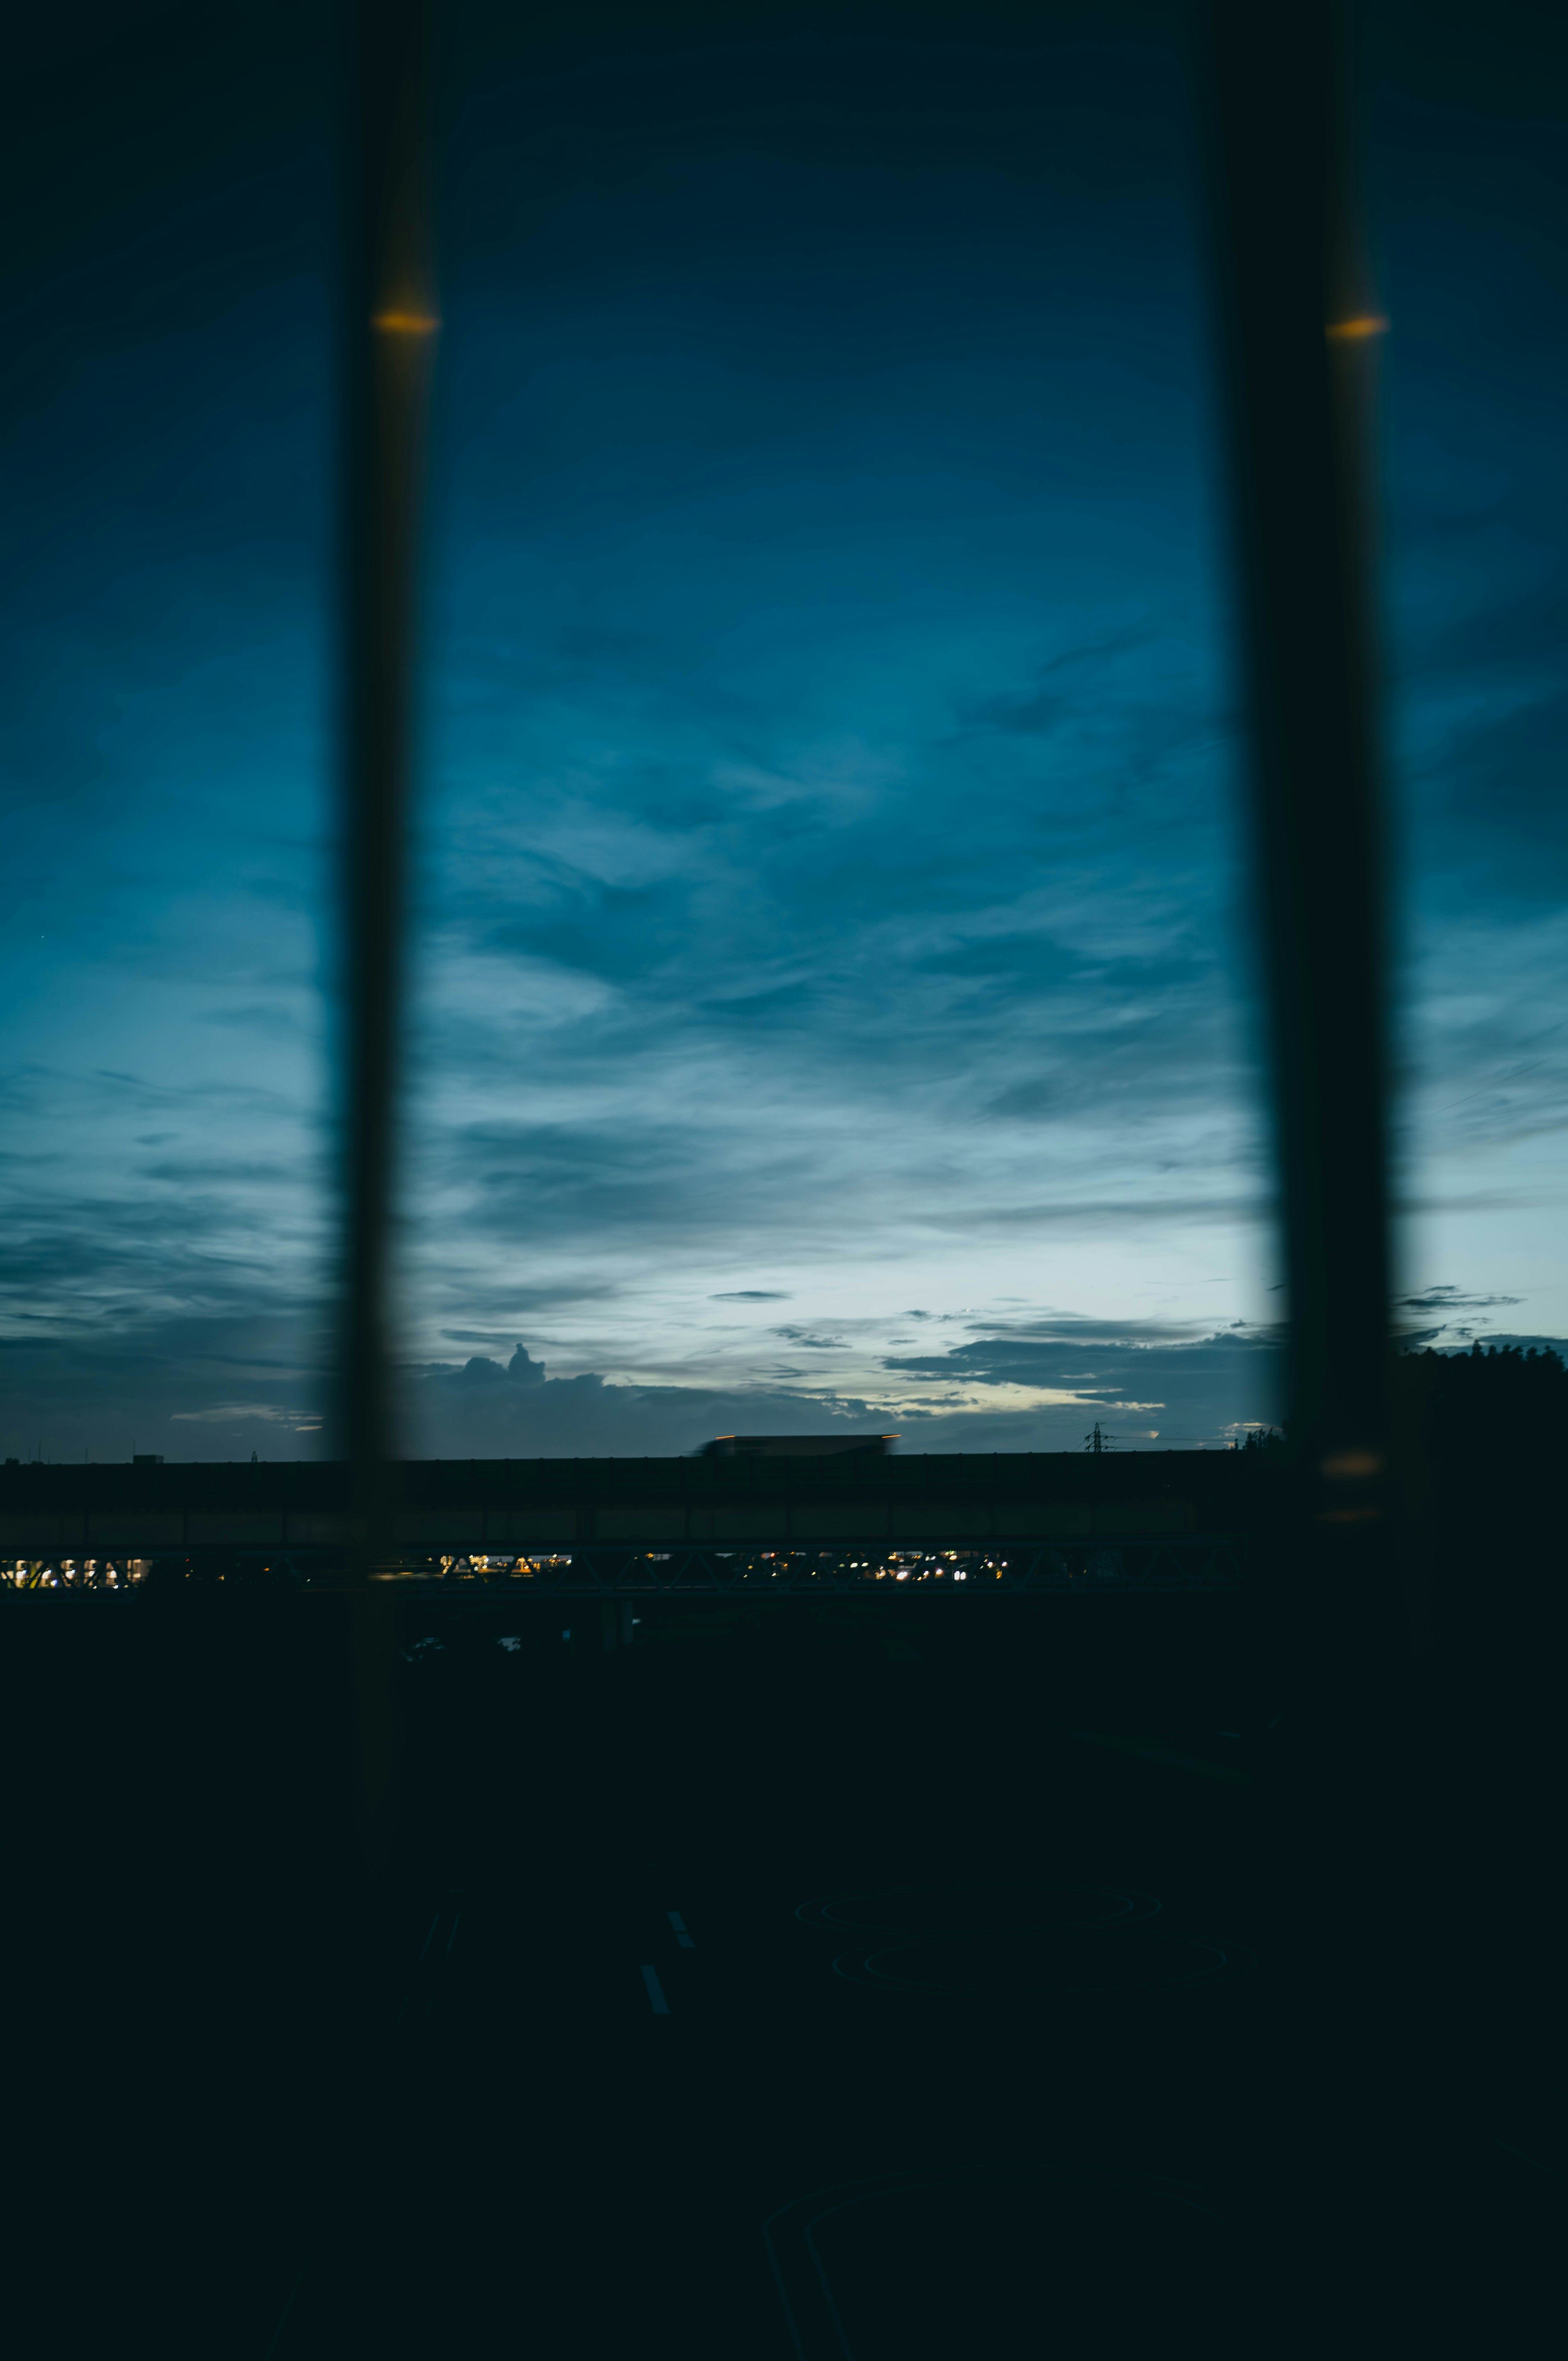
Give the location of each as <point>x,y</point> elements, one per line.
<point>1356,331</point>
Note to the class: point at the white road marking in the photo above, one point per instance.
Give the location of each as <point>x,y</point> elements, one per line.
<point>687,1942</point>
<point>656,2001</point>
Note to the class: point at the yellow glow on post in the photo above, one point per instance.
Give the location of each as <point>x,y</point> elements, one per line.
<point>405,323</point>
<point>1356,331</point>
<point>1350,1466</point>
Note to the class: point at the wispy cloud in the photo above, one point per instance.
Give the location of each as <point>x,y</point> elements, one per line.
<point>1449,1299</point>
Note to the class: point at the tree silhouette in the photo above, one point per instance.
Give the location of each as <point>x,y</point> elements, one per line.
<point>1496,1401</point>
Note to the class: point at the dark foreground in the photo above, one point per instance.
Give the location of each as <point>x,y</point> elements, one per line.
<point>1058,1982</point>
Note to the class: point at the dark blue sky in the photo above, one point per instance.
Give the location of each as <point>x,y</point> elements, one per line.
<point>830,997</point>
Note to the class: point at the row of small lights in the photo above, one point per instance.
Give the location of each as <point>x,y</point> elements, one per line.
<point>19,1573</point>
<point>526,1567</point>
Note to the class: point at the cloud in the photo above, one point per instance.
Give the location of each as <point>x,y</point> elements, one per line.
<point>519,1410</point>
<point>212,1385</point>
<point>1077,1329</point>
<point>234,1415</point>
<point>1449,1299</point>
<point>1178,1389</point>
<point>1206,1387</point>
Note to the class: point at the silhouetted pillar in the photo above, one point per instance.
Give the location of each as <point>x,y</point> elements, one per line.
<point>388,333</point>
<point>388,327</point>
<point>1300,335</point>
<point>1301,328</point>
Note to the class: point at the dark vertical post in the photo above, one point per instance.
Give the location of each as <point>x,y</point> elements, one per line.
<point>389,328</point>
<point>1301,333</point>
<point>1300,336</point>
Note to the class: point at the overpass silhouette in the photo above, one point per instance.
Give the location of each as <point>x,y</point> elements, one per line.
<point>773,1525</point>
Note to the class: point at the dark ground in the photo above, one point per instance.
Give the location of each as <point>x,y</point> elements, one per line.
<point>1308,2099</point>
